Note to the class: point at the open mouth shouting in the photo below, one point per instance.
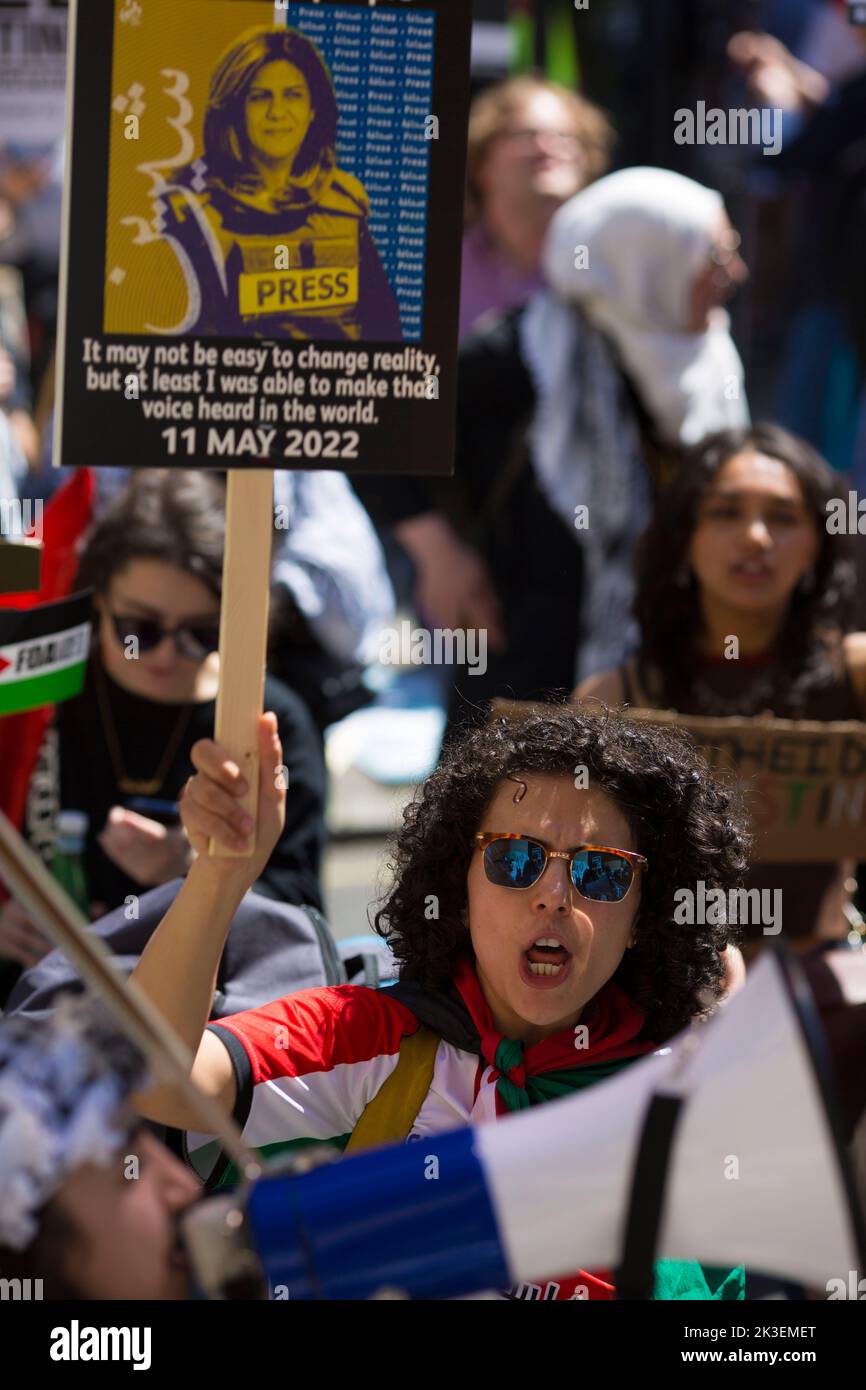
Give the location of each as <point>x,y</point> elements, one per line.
<point>546,963</point>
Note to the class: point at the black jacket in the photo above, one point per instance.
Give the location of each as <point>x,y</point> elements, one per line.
<point>495,502</point>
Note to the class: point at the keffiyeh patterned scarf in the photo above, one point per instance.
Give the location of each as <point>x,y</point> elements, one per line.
<point>64,1083</point>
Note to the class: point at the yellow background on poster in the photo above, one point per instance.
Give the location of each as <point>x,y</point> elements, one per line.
<point>145,290</point>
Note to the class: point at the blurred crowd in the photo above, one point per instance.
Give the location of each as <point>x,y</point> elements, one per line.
<point>661,387</point>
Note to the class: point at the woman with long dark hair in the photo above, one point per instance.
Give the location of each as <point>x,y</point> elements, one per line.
<point>120,751</point>
<point>274,237</point>
<point>739,547</point>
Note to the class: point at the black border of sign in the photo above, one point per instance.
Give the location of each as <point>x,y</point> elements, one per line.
<point>416,437</point>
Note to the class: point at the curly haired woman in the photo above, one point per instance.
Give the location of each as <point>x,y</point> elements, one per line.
<point>532,911</point>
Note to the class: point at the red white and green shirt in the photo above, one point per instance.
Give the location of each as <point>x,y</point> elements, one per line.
<point>308,1064</point>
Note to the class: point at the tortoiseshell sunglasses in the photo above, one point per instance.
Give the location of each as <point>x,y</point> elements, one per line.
<point>599,873</point>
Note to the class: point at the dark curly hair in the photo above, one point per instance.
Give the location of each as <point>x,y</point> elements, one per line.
<point>688,824</point>
<point>669,614</point>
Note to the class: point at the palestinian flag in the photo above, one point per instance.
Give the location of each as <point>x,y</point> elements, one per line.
<point>43,653</point>
<point>67,517</point>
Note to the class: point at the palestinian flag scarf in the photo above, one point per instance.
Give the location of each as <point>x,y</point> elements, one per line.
<point>606,1039</point>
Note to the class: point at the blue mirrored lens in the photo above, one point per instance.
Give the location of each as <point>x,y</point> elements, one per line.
<point>603,878</point>
<point>513,863</point>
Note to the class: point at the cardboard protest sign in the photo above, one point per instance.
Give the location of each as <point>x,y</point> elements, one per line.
<point>32,71</point>
<point>43,653</point>
<point>805,781</point>
<point>262,234</point>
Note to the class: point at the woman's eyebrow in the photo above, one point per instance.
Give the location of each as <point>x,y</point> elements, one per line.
<point>732,494</point>
<point>136,603</point>
<point>572,844</point>
<point>289,87</point>
<point>196,620</point>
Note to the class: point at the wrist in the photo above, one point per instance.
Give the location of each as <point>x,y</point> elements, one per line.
<point>220,882</point>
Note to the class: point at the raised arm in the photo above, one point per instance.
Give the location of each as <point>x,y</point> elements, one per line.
<point>178,967</point>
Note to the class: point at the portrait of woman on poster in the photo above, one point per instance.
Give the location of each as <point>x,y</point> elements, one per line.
<point>273,237</point>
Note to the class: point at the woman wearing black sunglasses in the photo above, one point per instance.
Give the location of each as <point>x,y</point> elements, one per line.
<point>121,750</point>
<point>533,915</point>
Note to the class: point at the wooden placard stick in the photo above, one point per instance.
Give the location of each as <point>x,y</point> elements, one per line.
<point>244,624</point>
<point>54,912</point>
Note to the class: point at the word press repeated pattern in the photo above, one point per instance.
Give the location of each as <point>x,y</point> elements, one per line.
<point>382,66</point>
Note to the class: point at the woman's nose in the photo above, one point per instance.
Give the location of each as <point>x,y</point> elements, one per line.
<point>758,533</point>
<point>554,887</point>
<point>179,1186</point>
<point>166,650</point>
<point>549,141</point>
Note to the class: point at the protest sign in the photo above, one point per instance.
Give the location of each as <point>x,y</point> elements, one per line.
<point>43,653</point>
<point>804,781</point>
<point>262,234</point>
<point>32,71</point>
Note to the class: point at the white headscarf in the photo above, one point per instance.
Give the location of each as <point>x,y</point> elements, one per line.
<point>647,234</point>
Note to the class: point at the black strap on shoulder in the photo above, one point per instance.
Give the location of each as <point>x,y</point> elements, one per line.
<point>244,1087</point>
<point>335,974</point>
<point>443,1011</point>
<point>635,1277</point>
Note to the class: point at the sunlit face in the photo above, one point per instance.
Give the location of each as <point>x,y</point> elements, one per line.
<point>505,923</point>
<point>724,271</point>
<point>279,111</point>
<point>156,590</point>
<point>129,1245</point>
<point>538,155</point>
<point>755,536</point>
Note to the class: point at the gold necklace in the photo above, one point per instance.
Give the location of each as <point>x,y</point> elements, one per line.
<point>145,786</point>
